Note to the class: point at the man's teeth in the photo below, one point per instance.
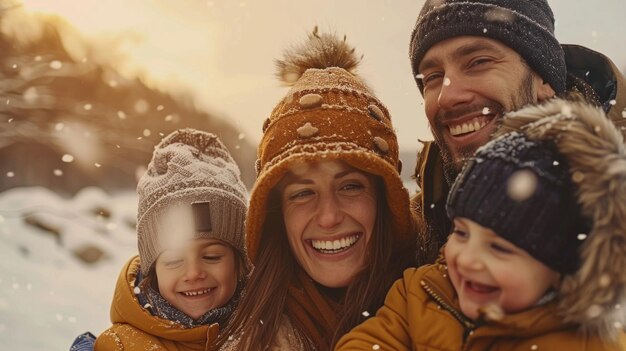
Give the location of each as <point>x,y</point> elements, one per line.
<point>327,246</point>
<point>196,293</point>
<point>469,126</point>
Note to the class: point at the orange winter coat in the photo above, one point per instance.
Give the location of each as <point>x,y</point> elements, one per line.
<point>421,312</point>
<point>134,328</point>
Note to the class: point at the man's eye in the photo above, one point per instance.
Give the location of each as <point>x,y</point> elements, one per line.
<point>431,78</point>
<point>479,61</point>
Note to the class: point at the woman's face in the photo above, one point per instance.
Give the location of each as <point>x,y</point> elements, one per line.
<point>198,277</point>
<point>329,209</point>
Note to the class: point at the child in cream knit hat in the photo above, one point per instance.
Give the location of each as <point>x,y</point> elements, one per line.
<point>192,256</point>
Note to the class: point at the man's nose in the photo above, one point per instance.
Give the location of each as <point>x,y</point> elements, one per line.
<point>454,92</point>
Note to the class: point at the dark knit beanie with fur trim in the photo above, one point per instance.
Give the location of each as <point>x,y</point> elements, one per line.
<point>522,190</point>
<point>526,26</point>
<point>191,189</point>
<point>328,114</point>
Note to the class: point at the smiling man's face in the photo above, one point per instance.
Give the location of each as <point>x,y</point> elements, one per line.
<point>469,83</point>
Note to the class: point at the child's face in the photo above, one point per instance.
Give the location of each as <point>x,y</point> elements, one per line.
<point>198,278</point>
<point>487,269</point>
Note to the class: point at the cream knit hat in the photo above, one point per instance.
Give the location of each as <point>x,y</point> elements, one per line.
<point>192,188</point>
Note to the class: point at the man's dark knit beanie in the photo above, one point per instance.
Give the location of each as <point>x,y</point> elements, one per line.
<point>526,26</point>
<point>522,190</point>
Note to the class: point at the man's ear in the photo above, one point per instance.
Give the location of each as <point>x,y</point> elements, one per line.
<point>544,91</point>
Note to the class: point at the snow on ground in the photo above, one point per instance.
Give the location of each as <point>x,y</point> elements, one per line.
<point>47,294</point>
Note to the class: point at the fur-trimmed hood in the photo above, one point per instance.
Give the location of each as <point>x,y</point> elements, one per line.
<point>595,295</point>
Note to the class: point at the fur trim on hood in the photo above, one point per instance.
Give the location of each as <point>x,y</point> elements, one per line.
<point>595,295</point>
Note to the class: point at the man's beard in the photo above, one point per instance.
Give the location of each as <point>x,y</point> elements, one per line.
<point>451,166</point>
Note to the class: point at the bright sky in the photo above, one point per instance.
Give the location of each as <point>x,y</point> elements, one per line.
<point>223,50</point>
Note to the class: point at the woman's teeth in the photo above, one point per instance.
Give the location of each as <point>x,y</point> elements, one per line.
<point>328,246</point>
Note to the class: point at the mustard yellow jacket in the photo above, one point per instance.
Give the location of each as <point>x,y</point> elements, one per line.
<point>421,312</point>
<point>134,328</point>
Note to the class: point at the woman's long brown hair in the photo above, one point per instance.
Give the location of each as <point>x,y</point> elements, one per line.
<point>257,318</point>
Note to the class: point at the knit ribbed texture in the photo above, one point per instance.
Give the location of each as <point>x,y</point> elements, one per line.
<point>188,167</point>
<point>329,114</point>
<point>546,222</point>
<point>526,26</point>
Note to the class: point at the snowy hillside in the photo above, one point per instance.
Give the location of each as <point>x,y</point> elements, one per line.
<point>48,292</point>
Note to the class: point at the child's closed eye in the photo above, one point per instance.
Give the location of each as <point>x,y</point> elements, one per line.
<point>212,258</point>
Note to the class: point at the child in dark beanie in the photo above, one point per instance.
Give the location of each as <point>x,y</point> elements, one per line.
<point>192,257</point>
<point>537,255</point>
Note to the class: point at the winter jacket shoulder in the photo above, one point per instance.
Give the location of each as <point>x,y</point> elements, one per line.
<point>134,328</point>
<point>421,312</point>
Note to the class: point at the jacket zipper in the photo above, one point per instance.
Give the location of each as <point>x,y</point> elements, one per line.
<point>468,325</point>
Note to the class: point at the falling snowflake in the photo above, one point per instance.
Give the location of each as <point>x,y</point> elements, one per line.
<point>365,314</point>
<point>56,64</point>
<point>566,110</point>
<point>59,127</point>
<point>419,76</point>
<point>136,290</point>
<point>160,108</point>
<point>87,107</point>
<point>555,163</point>
<point>446,81</point>
<point>486,110</point>
<point>375,347</point>
<point>604,280</point>
<point>432,205</point>
<point>484,30</point>
<point>522,185</point>
<point>582,236</point>
<point>97,165</point>
<point>534,347</point>
<point>612,102</point>
<point>10,174</point>
<point>146,132</point>
<point>121,114</point>
<point>67,158</point>
<point>594,311</point>
<point>57,172</point>
<point>241,136</point>
<point>113,83</point>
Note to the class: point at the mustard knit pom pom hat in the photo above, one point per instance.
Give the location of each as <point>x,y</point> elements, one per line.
<point>328,114</point>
